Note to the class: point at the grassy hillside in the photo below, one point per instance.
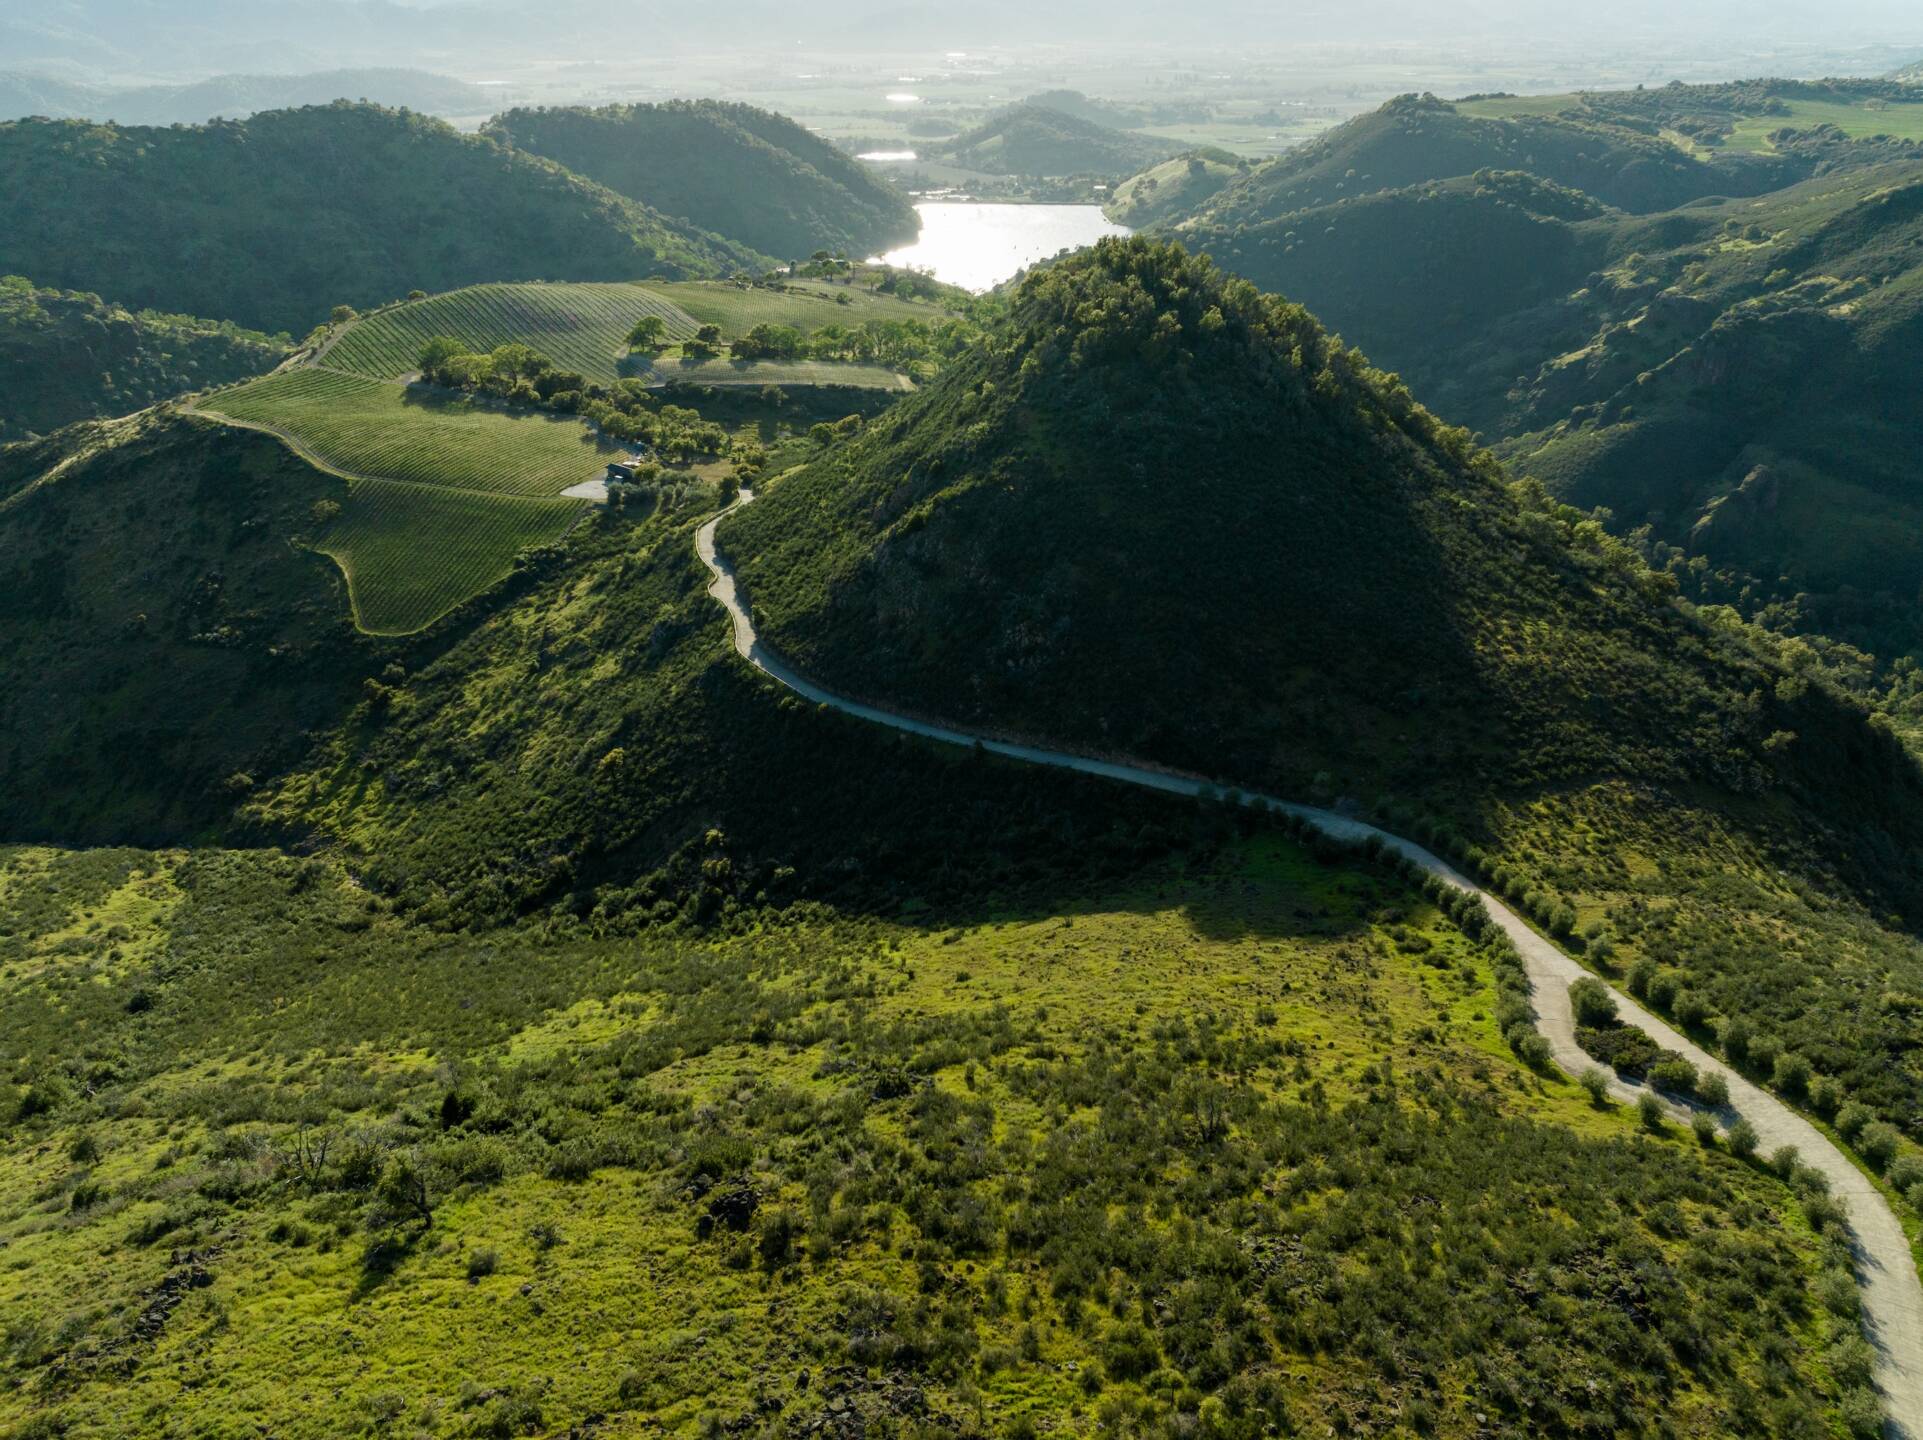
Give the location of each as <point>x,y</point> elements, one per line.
<point>1173,189</point>
<point>1036,140</point>
<point>66,356</point>
<point>1157,473</point>
<point>392,432</point>
<point>156,576</point>
<point>756,177</point>
<point>1235,1140</point>
<point>1753,116</point>
<point>273,220</point>
<point>806,305</point>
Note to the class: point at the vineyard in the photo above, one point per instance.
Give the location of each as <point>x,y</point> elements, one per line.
<point>411,553</point>
<point>385,431</point>
<point>446,490</point>
<point>580,327</point>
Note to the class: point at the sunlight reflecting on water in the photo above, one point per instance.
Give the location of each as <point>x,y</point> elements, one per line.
<point>977,246</point>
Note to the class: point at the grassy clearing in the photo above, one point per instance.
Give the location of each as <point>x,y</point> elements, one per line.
<point>1859,122</point>
<point>1217,1138</point>
<point>375,429</point>
<point>780,372</point>
<point>1510,107</point>
<point>806,305</point>
<point>581,327</point>
<point>411,553</point>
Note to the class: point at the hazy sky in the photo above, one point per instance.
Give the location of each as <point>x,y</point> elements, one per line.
<point>187,37</point>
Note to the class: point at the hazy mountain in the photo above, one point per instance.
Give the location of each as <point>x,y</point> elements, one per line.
<point>23,93</point>
<point>1031,139</point>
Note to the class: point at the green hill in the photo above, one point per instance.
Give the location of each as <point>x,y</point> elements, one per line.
<point>1164,516</point>
<point>1651,364</point>
<point>1033,139</point>
<point>1415,139</point>
<point>556,1010</point>
<point>756,177</point>
<point>66,356</point>
<point>273,220</point>
<point>1173,189</point>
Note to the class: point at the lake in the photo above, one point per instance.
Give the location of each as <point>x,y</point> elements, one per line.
<point>977,246</point>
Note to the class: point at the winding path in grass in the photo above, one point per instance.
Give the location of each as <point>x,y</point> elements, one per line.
<point>1886,1269</point>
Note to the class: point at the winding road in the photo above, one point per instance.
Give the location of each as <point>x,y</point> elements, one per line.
<point>1886,1269</point>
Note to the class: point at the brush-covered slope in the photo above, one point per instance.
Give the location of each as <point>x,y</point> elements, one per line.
<point>1652,364</point>
<point>271,221</point>
<point>749,174</point>
<point>1166,516</point>
<point>1031,139</point>
<point>67,356</point>
<point>177,638</point>
<point>1234,1136</point>
<point>1413,139</point>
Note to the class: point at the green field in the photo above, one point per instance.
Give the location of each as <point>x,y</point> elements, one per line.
<point>580,326</point>
<point>411,553</point>
<point>1903,121</point>
<point>805,305</point>
<point>1511,107</point>
<point>375,429</point>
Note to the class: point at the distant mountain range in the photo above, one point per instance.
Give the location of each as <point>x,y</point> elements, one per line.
<point>233,97</point>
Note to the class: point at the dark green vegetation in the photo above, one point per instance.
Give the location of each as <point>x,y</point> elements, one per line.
<point>1032,139</point>
<point>273,220</point>
<point>166,638</point>
<point>754,176</point>
<point>1229,1149</point>
<point>232,96</point>
<point>1156,472</point>
<point>1733,374</point>
<point>593,1029</point>
<point>66,356</point>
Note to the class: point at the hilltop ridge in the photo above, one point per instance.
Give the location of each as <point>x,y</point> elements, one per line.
<point>760,179</point>
<point>247,221</point>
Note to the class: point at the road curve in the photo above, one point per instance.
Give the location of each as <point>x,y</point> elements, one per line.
<point>1886,1270</point>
